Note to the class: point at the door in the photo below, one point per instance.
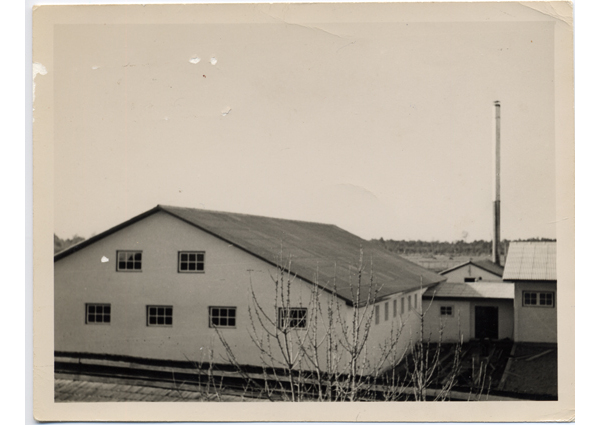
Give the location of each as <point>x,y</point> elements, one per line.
<point>486,322</point>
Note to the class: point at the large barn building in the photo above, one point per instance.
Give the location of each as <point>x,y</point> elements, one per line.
<point>164,283</point>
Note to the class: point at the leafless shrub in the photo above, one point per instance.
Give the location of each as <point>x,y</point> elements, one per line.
<point>323,350</point>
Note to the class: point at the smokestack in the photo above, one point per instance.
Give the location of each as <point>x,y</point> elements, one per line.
<point>496,240</point>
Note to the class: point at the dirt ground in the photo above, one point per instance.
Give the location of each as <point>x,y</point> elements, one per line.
<point>534,370</point>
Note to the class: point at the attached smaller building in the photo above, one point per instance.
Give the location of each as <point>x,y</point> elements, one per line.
<point>469,310</point>
<point>532,268</point>
<point>474,271</point>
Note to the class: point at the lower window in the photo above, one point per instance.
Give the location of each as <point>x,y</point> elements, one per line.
<point>159,315</point>
<point>222,317</point>
<point>97,313</point>
<point>292,318</point>
<point>538,299</point>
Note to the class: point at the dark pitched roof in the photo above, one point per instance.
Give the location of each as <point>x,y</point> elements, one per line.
<point>314,248</point>
<point>498,290</point>
<point>484,264</point>
<point>531,261</point>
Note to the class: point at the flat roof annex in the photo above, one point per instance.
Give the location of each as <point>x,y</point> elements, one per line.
<point>321,254</point>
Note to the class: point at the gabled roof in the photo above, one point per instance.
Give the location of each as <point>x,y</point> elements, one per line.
<point>530,261</point>
<point>497,290</point>
<point>319,252</point>
<point>484,264</point>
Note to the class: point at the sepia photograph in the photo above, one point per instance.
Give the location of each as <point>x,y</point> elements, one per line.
<point>279,203</point>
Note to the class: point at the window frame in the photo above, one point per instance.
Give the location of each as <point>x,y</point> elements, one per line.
<point>131,251</point>
<point>395,308</point>
<point>538,299</point>
<point>196,262</point>
<point>157,325</point>
<point>280,311</point>
<point>216,307</point>
<point>445,314</point>
<point>386,311</point>
<point>87,305</point>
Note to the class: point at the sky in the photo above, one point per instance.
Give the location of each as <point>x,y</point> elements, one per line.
<point>384,129</point>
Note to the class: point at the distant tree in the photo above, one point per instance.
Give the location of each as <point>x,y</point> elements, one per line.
<point>476,248</point>
<point>62,244</point>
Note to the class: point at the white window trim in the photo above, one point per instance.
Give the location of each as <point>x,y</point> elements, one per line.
<point>537,299</point>
<point>191,271</point>
<point>210,317</point>
<point>131,251</point>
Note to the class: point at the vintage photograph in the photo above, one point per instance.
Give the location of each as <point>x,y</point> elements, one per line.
<point>304,203</point>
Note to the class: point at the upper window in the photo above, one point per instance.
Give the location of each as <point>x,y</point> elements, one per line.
<point>191,261</point>
<point>446,310</point>
<point>129,261</point>
<point>292,318</point>
<point>376,314</point>
<point>222,317</point>
<point>159,315</point>
<point>395,309</point>
<point>538,299</point>
<point>386,311</point>
<point>97,313</point>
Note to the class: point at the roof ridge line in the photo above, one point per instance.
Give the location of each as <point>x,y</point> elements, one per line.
<point>163,206</point>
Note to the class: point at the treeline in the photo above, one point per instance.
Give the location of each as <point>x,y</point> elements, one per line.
<point>62,244</point>
<point>456,248</point>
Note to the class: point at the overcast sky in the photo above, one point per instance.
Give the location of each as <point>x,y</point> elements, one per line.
<point>386,130</point>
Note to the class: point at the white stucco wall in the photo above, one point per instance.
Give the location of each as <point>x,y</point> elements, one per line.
<point>461,324</point>
<point>470,270</point>
<point>82,278</point>
<point>535,324</point>
<point>406,321</point>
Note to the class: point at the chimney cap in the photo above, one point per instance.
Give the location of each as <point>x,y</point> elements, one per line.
<point>497,102</point>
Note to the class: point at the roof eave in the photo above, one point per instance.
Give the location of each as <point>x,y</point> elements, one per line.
<point>65,253</point>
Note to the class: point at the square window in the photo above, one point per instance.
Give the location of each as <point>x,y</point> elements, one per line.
<point>530,298</point>
<point>547,299</point>
<point>97,313</point>
<point>159,315</point>
<point>446,310</point>
<point>292,318</point>
<point>191,262</point>
<point>222,317</point>
<point>129,261</point>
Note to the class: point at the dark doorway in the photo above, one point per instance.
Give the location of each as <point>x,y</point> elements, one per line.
<point>486,322</point>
